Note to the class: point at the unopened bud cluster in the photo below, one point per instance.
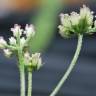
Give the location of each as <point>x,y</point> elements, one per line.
<point>19,41</point>
<point>74,23</point>
<point>33,62</point>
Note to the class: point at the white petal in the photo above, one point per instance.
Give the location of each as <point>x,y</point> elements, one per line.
<point>74,18</point>
<point>17,30</point>
<point>12,41</point>
<point>7,52</point>
<point>22,41</point>
<point>29,30</point>
<point>95,23</point>
<point>86,13</point>
<point>27,58</point>
<point>3,43</point>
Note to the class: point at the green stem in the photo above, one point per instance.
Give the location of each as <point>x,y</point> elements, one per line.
<point>29,83</point>
<point>21,67</point>
<point>22,81</point>
<point>70,68</point>
<point>22,75</point>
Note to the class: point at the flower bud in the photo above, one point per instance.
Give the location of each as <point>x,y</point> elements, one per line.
<point>65,20</point>
<point>22,41</point>
<point>33,62</point>
<point>36,60</point>
<point>95,23</point>
<point>12,41</point>
<point>7,52</point>
<point>17,30</point>
<point>29,30</point>
<point>85,13</point>
<point>75,18</point>
<point>27,58</point>
<point>3,43</point>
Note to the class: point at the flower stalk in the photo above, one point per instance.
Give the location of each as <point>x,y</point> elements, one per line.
<point>32,63</point>
<point>72,65</point>
<point>22,73</point>
<point>18,45</point>
<point>22,81</point>
<point>75,24</point>
<point>29,84</point>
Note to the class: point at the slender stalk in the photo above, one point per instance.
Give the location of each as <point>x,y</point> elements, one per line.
<point>22,82</point>
<point>21,67</point>
<point>70,68</point>
<point>29,83</point>
<point>22,75</point>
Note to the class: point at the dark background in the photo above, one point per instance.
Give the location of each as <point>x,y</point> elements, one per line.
<point>56,58</point>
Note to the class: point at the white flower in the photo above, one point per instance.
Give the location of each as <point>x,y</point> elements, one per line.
<point>65,20</point>
<point>75,23</point>
<point>64,32</point>
<point>36,60</point>
<point>27,55</point>
<point>7,52</point>
<point>62,18</point>
<point>95,23</point>
<point>12,41</point>
<point>27,58</point>
<point>3,43</point>
<point>22,41</point>
<point>39,63</point>
<point>86,13</point>
<point>74,18</point>
<point>17,30</point>
<point>33,62</point>
<point>29,30</point>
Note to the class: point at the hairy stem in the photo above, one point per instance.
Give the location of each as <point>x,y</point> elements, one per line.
<point>70,68</point>
<point>29,84</point>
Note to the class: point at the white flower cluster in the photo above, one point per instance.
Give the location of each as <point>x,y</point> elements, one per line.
<point>20,39</point>
<point>33,62</point>
<point>76,23</point>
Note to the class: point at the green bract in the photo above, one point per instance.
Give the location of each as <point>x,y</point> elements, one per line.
<point>75,23</point>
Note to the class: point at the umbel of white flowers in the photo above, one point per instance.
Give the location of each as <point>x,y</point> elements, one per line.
<point>75,23</point>
<point>20,40</point>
